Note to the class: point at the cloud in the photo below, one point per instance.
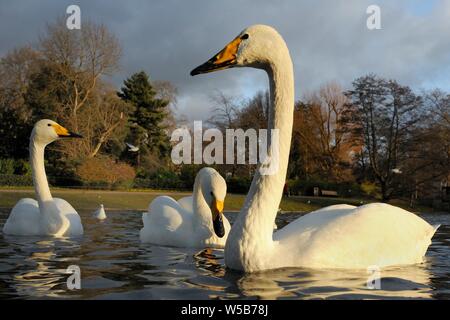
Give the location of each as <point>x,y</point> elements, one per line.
<point>328,40</point>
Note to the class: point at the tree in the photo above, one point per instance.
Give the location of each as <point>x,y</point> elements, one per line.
<point>68,86</point>
<point>81,57</point>
<point>254,112</point>
<point>387,114</point>
<point>15,116</point>
<point>323,144</point>
<point>225,111</point>
<point>106,120</point>
<point>428,161</point>
<point>147,128</point>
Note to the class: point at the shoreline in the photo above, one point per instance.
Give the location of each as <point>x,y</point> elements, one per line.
<point>138,200</point>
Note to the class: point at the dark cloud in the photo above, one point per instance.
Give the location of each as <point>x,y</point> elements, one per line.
<point>328,40</point>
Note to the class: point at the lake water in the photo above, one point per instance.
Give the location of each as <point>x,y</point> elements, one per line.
<point>115,265</point>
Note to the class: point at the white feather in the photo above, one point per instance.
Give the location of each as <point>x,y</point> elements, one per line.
<point>339,236</point>
<point>183,223</point>
<point>100,213</point>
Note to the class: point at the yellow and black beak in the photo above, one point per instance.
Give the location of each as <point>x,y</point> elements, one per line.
<point>217,212</point>
<point>223,60</point>
<point>64,133</point>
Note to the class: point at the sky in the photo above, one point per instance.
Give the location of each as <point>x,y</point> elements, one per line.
<point>328,41</point>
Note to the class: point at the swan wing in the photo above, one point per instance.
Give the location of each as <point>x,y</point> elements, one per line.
<point>76,227</point>
<point>24,219</point>
<point>187,203</point>
<point>166,223</point>
<point>343,236</point>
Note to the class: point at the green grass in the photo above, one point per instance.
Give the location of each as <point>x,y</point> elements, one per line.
<point>139,200</point>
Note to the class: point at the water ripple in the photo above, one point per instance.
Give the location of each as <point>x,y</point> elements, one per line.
<point>115,265</point>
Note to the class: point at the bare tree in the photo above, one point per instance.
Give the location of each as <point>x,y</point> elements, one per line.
<point>16,69</point>
<point>108,116</point>
<point>82,57</point>
<point>165,90</point>
<point>388,114</point>
<point>225,109</point>
<point>75,62</point>
<point>321,134</point>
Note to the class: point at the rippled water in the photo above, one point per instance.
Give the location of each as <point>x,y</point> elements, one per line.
<point>114,265</point>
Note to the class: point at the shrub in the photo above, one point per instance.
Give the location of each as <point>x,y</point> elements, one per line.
<point>238,184</point>
<point>161,179</point>
<point>188,174</point>
<point>15,180</point>
<point>13,166</point>
<point>105,172</point>
<point>23,167</point>
<point>7,166</point>
<point>370,189</point>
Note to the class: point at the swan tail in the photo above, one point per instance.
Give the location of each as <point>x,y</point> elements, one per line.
<point>435,227</point>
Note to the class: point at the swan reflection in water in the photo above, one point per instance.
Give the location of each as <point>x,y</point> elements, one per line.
<point>411,281</point>
<point>115,265</point>
<point>42,272</point>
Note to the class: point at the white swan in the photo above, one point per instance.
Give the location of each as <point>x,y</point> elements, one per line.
<point>339,236</point>
<point>47,216</point>
<point>195,221</point>
<point>100,213</point>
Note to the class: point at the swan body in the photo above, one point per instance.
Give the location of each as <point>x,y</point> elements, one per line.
<point>194,221</point>
<point>344,236</point>
<point>47,216</point>
<point>100,213</point>
<point>339,236</point>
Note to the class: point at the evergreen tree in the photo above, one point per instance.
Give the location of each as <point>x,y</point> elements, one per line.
<point>146,122</point>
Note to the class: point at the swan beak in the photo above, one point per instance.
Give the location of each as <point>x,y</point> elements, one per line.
<point>64,133</point>
<point>223,60</point>
<point>217,212</point>
<point>74,135</point>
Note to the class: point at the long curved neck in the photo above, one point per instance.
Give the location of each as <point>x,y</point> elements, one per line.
<point>52,221</point>
<point>202,216</point>
<point>41,187</point>
<point>253,228</point>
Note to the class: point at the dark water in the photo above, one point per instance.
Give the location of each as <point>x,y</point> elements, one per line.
<point>114,265</point>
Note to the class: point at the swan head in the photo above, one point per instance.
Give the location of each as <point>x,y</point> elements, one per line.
<point>46,131</point>
<point>257,46</point>
<point>214,191</point>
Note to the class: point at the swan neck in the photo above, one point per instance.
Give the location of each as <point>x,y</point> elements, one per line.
<point>202,216</point>
<point>40,182</point>
<point>253,235</point>
<point>53,222</point>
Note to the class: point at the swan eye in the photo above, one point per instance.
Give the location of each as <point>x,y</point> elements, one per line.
<point>245,36</point>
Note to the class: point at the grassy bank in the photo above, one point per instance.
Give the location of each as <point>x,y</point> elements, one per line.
<point>139,200</point>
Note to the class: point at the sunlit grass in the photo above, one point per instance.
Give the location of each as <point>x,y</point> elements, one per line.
<point>140,199</point>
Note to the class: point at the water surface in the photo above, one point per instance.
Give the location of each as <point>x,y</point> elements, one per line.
<point>115,265</point>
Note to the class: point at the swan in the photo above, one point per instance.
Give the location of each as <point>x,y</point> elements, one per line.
<point>339,236</point>
<point>100,213</point>
<point>194,221</point>
<point>47,216</point>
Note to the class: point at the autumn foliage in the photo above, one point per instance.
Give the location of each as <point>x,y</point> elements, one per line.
<point>104,171</point>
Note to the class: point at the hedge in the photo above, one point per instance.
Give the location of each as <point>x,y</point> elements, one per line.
<point>15,180</point>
